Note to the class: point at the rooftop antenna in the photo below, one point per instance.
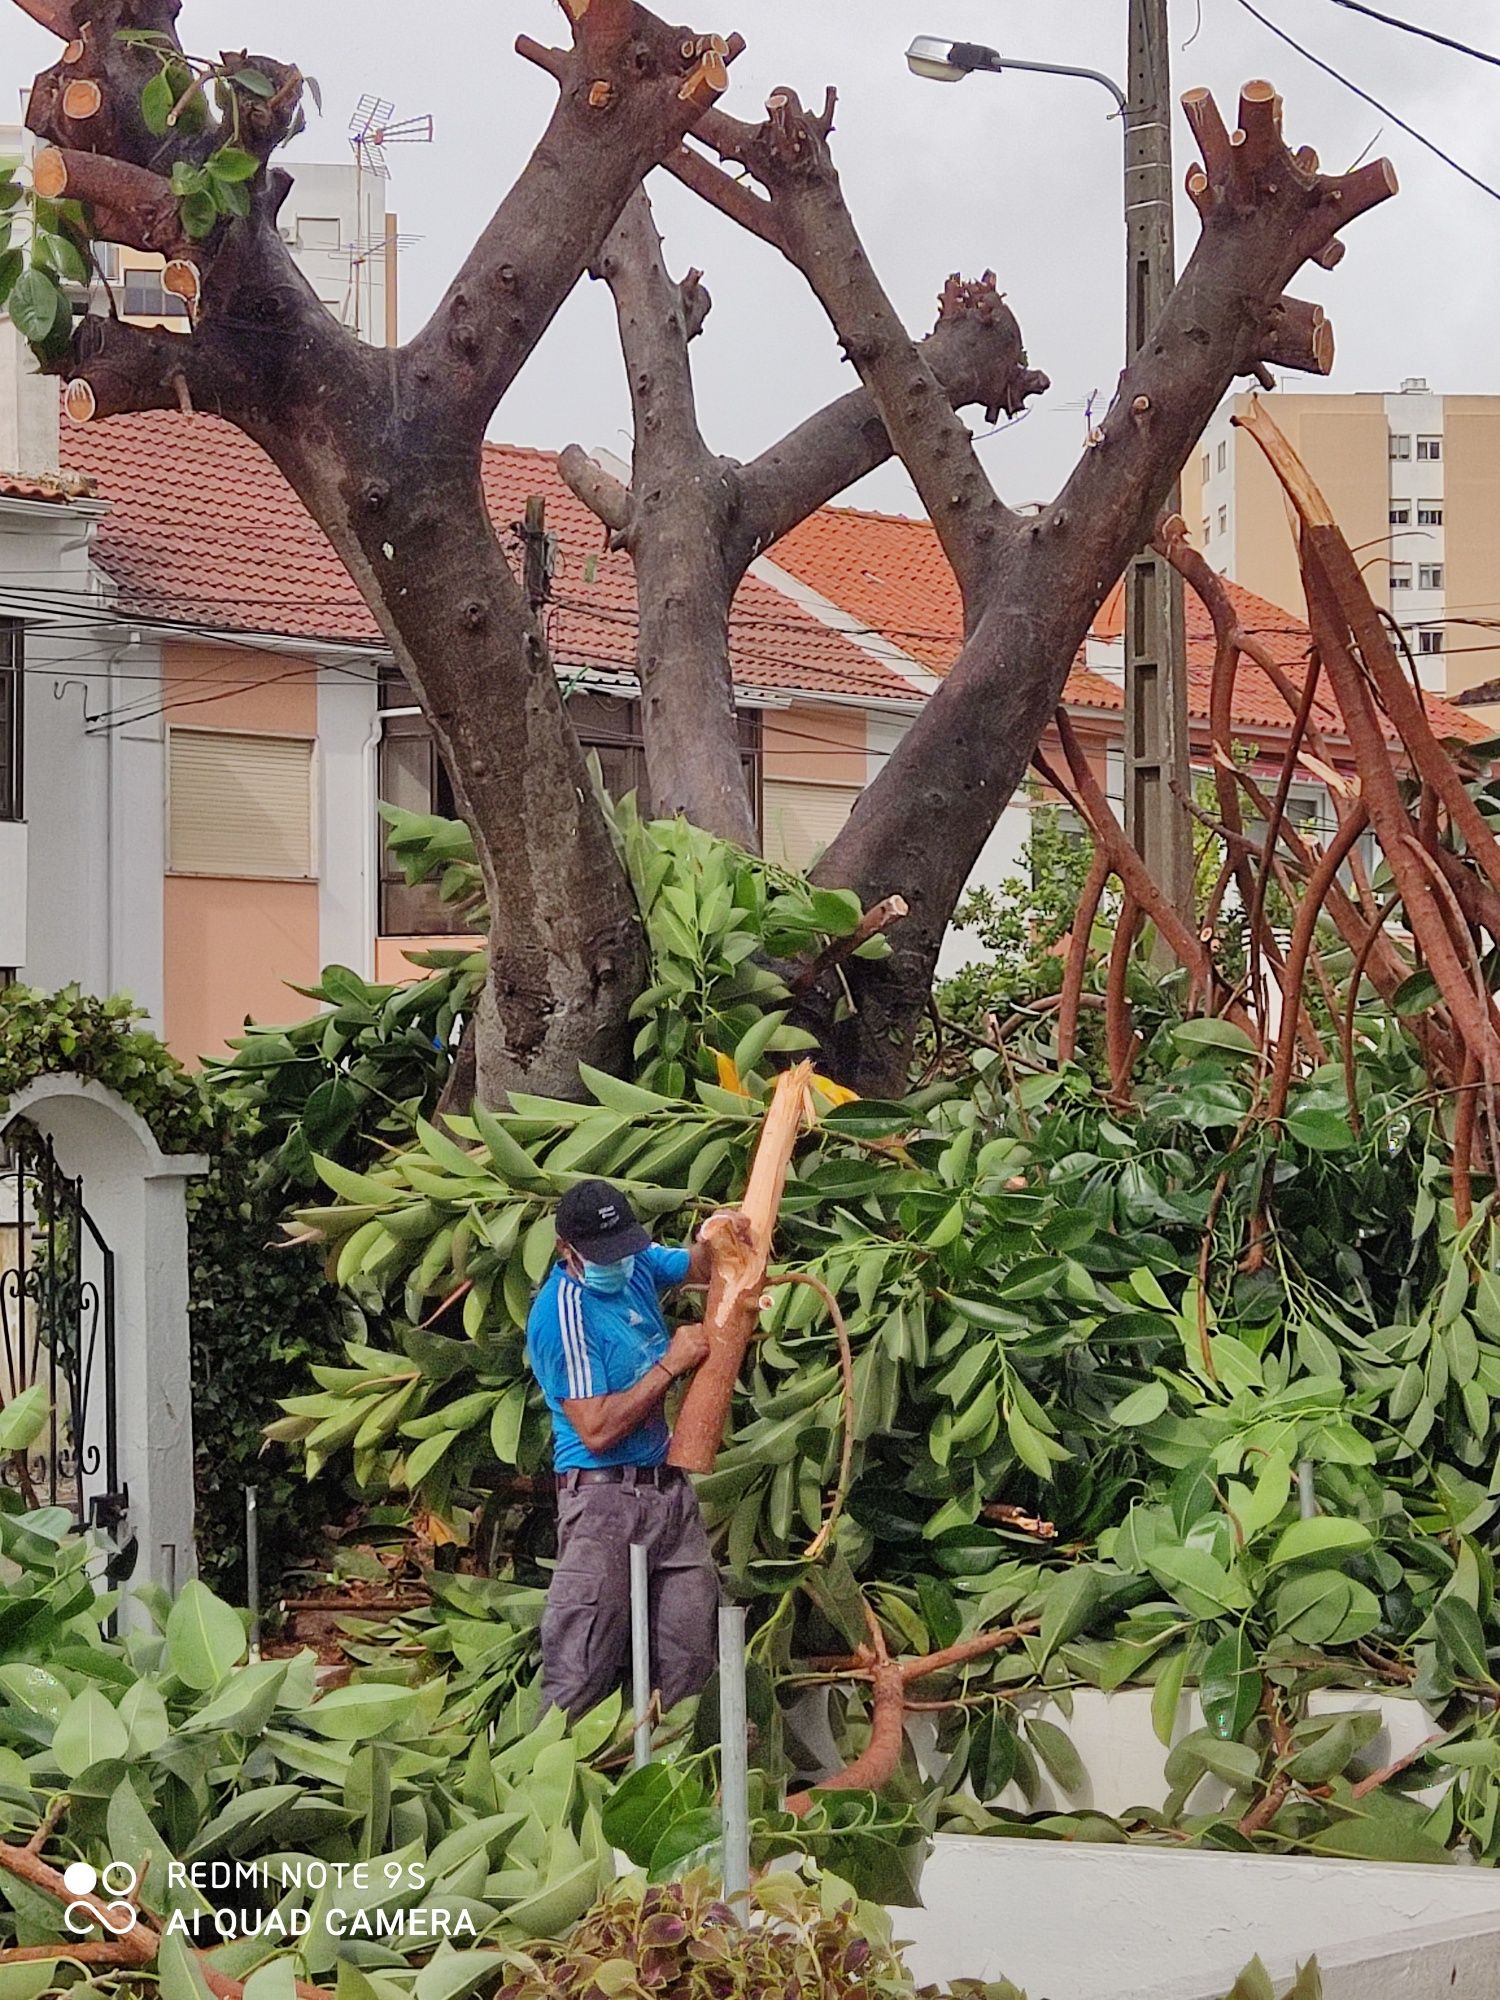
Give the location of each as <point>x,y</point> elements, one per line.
<point>373,127</point>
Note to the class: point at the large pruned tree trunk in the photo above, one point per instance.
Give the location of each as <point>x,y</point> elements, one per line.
<point>384,448</point>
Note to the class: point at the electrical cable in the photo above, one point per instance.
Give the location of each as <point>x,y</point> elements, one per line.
<point>1374,102</point>
<point>1414,28</point>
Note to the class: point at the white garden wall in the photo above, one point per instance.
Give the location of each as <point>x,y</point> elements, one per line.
<point>1072,1922</point>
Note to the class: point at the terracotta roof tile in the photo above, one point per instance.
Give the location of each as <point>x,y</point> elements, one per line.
<point>204,530</point>
<point>888,571</point>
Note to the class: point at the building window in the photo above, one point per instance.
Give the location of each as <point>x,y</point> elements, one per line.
<point>1223,460</point>
<point>1429,576</point>
<point>318,232</point>
<point>1400,446</point>
<point>802,817</point>
<point>1430,448</point>
<point>1400,576</point>
<point>1223,520</point>
<point>1207,532</point>
<point>1205,469</point>
<point>1401,513</point>
<point>1430,639</point>
<point>414,778</point>
<point>1429,513</point>
<point>12,720</point>
<point>145,297</point>
<point>240,805</point>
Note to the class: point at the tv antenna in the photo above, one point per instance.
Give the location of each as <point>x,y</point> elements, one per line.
<point>373,127</point>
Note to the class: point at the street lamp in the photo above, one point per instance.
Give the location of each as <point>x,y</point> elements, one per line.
<point>1157,771</point>
<point>950,62</point>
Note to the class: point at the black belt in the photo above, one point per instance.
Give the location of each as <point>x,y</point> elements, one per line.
<point>621,1475</point>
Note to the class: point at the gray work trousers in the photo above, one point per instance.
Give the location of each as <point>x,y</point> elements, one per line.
<point>586,1625</point>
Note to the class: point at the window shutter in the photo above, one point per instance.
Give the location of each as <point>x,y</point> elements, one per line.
<point>801,819</point>
<point>240,805</point>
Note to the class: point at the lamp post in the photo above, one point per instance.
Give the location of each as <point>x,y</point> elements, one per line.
<point>1157,770</point>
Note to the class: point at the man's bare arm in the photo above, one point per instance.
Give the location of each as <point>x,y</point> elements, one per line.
<point>605,1421</point>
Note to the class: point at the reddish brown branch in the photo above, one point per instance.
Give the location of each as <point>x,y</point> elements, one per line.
<point>1384,1775</point>
<point>1080,945</point>
<point>1304,931</point>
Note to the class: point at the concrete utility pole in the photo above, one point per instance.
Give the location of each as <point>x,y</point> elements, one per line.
<point>1157,770</point>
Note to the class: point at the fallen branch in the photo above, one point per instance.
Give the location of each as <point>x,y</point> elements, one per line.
<point>889,1679</point>
<point>1393,1770</point>
<point>739,1276</point>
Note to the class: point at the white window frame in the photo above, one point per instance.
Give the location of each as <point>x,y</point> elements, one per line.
<point>1430,576</point>
<point>1430,450</point>
<point>1400,444</point>
<point>1401,576</point>
<point>1429,513</point>
<point>1400,513</point>
<point>314,803</point>
<point>1431,641</point>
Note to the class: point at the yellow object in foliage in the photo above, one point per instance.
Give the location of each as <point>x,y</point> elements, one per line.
<point>833,1094</point>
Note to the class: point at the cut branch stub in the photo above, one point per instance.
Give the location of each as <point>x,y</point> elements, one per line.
<point>80,402</point>
<point>1300,337</point>
<point>1246,169</point>
<point>127,204</point>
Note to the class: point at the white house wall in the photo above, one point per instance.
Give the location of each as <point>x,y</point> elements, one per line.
<point>1004,852</point>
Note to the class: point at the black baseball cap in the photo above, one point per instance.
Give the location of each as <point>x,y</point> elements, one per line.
<point>597,1221</point>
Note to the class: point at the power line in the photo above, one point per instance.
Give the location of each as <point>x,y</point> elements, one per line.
<point>1412,28</point>
<point>1374,102</point>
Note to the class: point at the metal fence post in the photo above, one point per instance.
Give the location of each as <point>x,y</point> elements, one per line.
<point>252,1565</point>
<point>640,1652</point>
<point>734,1752</point>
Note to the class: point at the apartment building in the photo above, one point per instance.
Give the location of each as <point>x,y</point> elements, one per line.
<point>1413,478</point>
<point>334,221</point>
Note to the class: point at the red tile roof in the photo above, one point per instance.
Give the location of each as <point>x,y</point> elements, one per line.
<point>203,530</point>
<point>60,489</point>
<point>888,571</point>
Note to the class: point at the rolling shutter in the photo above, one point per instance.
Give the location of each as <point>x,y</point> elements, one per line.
<point>800,819</point>
<point>240,805</point>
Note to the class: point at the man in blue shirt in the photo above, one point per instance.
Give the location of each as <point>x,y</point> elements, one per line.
<point>599,1347</point>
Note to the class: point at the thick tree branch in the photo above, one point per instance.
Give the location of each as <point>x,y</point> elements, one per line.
<point>977,356</point>
<point>629,89</point>
<point>920,827</point>
<point>675,522</point>
<point>809,223</point>
<point>54,15</point>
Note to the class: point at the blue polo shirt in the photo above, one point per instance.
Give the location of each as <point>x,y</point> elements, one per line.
<point>586,1343</point>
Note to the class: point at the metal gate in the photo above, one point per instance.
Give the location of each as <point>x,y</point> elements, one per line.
<point>57,1329</point>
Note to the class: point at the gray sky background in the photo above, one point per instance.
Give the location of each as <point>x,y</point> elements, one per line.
<point>1021,174</point>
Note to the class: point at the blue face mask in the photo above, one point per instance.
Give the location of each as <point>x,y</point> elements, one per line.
<point>608,1278</point>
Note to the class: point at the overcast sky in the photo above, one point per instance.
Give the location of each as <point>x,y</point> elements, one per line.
<point>1018,173</point>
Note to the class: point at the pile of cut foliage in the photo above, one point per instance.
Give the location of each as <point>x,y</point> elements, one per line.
<point>1094,1340</point>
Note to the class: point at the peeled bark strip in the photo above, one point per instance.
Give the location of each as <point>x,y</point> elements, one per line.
<point>739,1275</point>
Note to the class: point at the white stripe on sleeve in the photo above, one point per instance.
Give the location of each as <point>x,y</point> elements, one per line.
<point>575,1344</point>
